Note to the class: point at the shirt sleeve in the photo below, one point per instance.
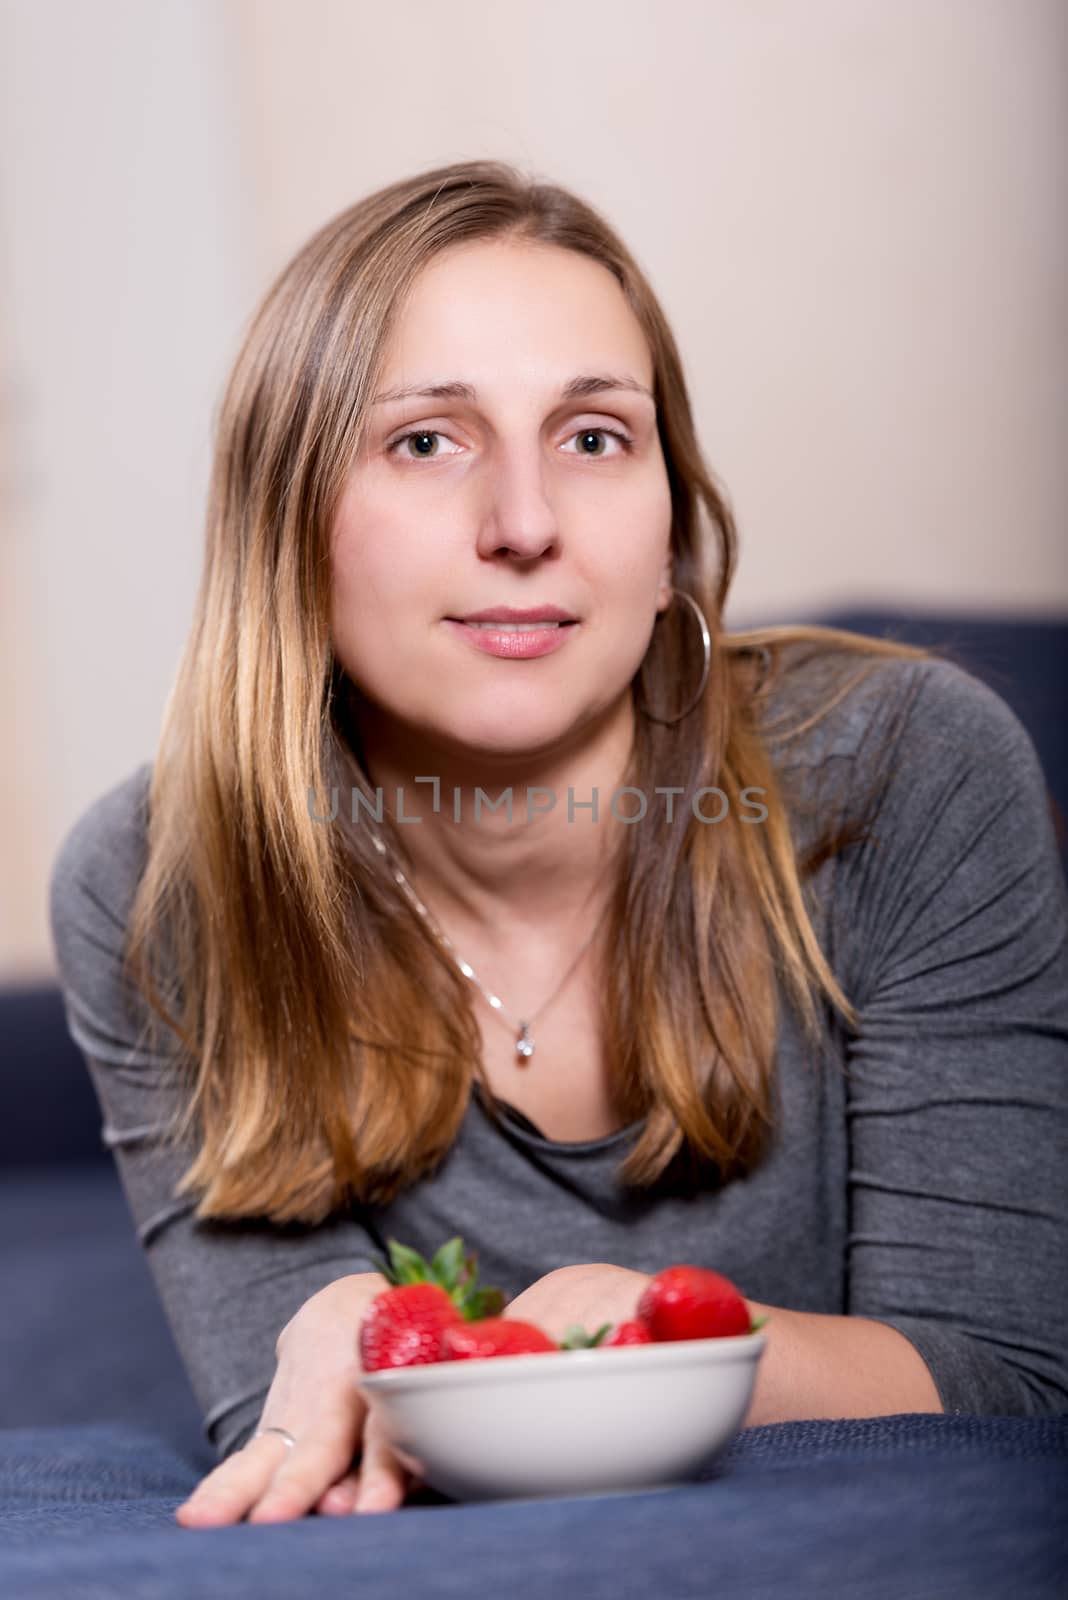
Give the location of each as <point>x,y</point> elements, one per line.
<point>957,1087</point>
<point>227,1288</point>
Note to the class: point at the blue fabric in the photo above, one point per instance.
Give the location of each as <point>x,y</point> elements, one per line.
<point>893,1508</point>
<point>83,1337</point>
<point>50,1112</point>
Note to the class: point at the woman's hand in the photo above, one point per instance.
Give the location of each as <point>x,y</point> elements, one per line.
<point>314,1395</point>
<point>589,1295</point>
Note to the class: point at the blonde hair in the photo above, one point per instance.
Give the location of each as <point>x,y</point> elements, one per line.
<point>328,1044</point>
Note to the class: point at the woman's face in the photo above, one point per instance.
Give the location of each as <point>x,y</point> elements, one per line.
<point>515,495</point>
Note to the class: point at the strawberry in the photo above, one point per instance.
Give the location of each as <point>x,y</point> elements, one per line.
<point>685,1302</point>
<point>403,1326</point>
<point>576,1338</point>
<point>493,1336</point>
<point>628,1333</point>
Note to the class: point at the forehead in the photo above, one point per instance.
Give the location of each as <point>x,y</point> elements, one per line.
<point>503,310</point>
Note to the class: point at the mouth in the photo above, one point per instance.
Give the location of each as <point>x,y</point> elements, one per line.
<point>513,641</point>
<point>515,616</point>
<point>512,627</point>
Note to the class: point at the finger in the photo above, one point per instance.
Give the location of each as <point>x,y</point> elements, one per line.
<point>321,1456</point>
<point>413,1467</point>
<point>234,1485</point>
<point>383,1479</point>
<point>340,1498</point>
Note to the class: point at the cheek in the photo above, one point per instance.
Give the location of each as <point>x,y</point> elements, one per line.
<point>350,582</point>
<point>376,540</point>
<point>367,560</point>
<point>625,571</point>
<point>383,589</point>
<point>634,554</point>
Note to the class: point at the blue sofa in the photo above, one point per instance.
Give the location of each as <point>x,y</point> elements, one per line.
<point>100,1436</point>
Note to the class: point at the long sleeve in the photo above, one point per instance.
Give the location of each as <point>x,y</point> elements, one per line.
<point>957,1092</point>
<point>227,1289</point>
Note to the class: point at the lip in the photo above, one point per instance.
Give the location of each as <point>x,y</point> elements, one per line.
<point>511,614</point>
<point>513,646</point>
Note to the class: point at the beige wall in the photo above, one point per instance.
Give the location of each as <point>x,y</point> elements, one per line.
<point>852,211</point>
<point>121,294</point>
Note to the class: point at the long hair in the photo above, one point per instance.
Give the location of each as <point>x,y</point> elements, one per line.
<point>328,1044</point>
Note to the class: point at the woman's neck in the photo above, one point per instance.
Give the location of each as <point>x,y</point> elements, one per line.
<point>476,868</point>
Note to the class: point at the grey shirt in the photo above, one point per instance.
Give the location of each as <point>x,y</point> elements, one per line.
<point>918,1175</point>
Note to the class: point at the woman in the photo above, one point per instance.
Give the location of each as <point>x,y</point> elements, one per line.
<point>606,943</point>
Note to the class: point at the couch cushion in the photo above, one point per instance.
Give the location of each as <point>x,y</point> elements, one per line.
<point>83,1337</point>
<point>913,1506</point>
<point>48,1111</point>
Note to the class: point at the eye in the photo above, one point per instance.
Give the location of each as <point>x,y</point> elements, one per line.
<point>626,443</point>
<point>420,434</point>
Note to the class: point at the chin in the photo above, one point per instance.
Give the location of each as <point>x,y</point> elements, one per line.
<point>508,733</point>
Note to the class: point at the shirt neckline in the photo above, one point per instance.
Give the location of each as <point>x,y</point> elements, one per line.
<point>521,1125</point>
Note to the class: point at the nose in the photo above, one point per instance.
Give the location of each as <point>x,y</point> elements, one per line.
<point>520,520</point>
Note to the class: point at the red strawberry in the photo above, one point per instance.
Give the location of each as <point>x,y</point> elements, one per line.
<point>628,1333</point>
<point>403,1326</point>
<point>576,1337</point>
<point>493,1336</point>
<point>684,1302</point>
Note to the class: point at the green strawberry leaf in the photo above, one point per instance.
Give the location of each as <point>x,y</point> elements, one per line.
<point>408,1265</point>
<point>576,1337</point>
<point>446,1265</point>
<point>449,1270</point>
<point>757,1322</point>
<point>480,1303</point>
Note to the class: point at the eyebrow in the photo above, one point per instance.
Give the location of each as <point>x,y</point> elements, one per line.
<point>575,389</point>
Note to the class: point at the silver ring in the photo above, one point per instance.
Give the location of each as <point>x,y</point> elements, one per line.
<point>285,1433</point>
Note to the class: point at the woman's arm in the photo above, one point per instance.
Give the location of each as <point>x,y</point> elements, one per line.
<point>957,1085</point>
<point>823,1366</point>
<point>812,1366</point>
<point>316,1382</point>
<point>228,1289</point>
<point>951,922</point>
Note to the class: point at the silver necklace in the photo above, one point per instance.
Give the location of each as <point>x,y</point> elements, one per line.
<point>524,1041</point>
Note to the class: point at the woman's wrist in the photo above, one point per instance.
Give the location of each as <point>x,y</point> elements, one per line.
<point>336,1308</point>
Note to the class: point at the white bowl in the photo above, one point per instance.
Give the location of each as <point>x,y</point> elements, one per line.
<point>568,1421</point>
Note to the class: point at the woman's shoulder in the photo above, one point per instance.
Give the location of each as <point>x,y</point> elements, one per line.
<point>825,703</point>
<point>101,857</point>
<point>93,886</point>
<point>922,756</point>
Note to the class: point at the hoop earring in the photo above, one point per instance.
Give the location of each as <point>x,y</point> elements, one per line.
<point>706,640</point>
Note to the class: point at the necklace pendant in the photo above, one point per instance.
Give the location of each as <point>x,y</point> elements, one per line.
<point>524,1044</point>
